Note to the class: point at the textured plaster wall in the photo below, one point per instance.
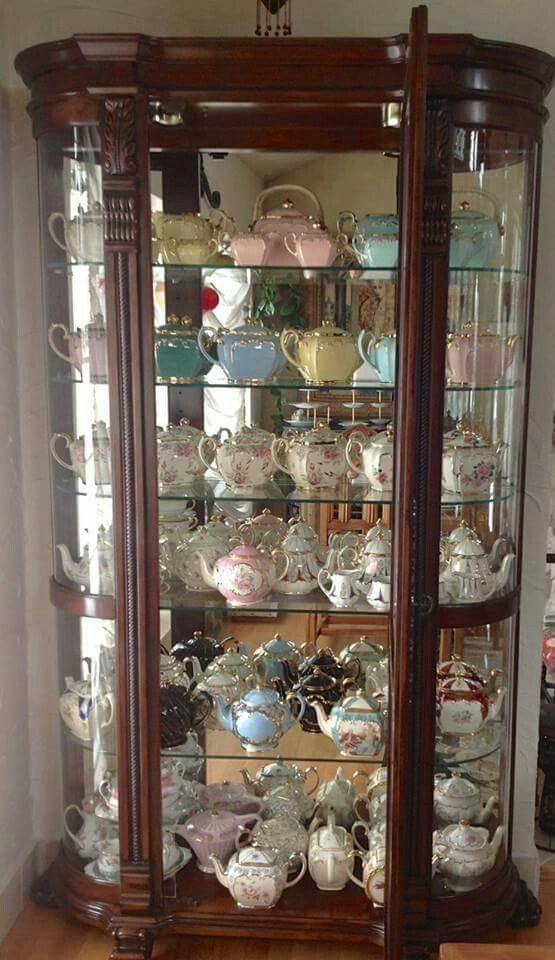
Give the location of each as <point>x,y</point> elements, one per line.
<point>29,795</point>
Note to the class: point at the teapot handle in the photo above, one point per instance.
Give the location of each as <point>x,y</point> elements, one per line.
<point>280,557</point>
<point>487,196</point>
<point>231,643</point>
<point>243,837</point>
<point>288,335</point>
<point>66,334</point>
<point>207,446</point>
<point>107,710</point>
<point>353,854</point>
<point>367,350</point>
<point>68,441</point>
<point>279,444</point>
<point>324,575</point>
<point>293,695</point>
<point>78,842</point>
<point>286,188</point>
<point>314,772</point>
<point>346,216</point>
<point>353,442</point>
<point>202,336</point>
<point>290,241</point>
<point>52,219</point>
<point>293,859</point>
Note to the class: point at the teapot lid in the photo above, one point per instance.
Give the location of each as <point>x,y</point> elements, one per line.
<point>251,327</point>
<point>248,435</point>
<point>464,435</point>
<point>181,327</point>
<point>379,545</point>
<point>468,547</point>
<point>328,329</point>
<point>256,856</point>
<point>280,768</point>
<point>462,685</point>
<point>465,212</point>
<point>303,528</point>
<point>356,702</point>
<point>378,527</point>
<point>457,667</point>
<point>279,645</point>
<point>260,695</point>
<point>461,532</point>
<point>456,786</point>
<point>295,542</point>
<point>318,435</point>
<point>383,439</point>
<point>463,836</point>
<point>180,431</point>
<point>364,646</point>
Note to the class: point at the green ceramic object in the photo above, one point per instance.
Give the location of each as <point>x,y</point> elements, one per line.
<point>178,358</point>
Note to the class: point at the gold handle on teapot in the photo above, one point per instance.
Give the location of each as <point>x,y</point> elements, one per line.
<point>68,441</point>
<point>290,336</point>
<point>286,188</point>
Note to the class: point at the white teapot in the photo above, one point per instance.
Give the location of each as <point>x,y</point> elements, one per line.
<point>79,457</point>
<point>184,560</point>
<point>315,459</point>
<point>93,829</point>
<point>467,576</point>
<point>257,876</point>
<point>283,834</point>
<point>340,586</point>
<point>373,872</point>
<point>377,458</point>
<point>102,563</point>
<point>465,853</point>
<point>329,850</point>
<point>470,463</point>
<point>337,797</point>
<point>463,706</point>
<point>373,806</point>
<point>83,236</point>
<point>85,712</point>
<point>305,562</point>
<point>278,772</point>
<point>457,798</point>
<point>243,459</point>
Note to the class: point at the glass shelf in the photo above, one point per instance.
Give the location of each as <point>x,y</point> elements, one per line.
<point>177,597</point>
<point>456,751</point>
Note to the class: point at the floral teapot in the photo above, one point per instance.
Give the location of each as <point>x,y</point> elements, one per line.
<point>478,357</point>
<point>185,561</point>
<point>470,463</point>
<point>324,355</point>
<point>245,575</point>
<point>259,718</point>
<point>284,236</point>
<point>278,772</point>
<point>464,853</point>
<point>463,706</point>
<point>315,459</point>
<point>257,876</point>
<point>457,798</point>
<point>467,576</point>
<point>101,566</point>
<point>179,463</point>
<point>376,458</point>
<point>354,725</point>
<point>243,459</point>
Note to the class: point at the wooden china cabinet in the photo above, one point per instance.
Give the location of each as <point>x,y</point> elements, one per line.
<point>443,130</point>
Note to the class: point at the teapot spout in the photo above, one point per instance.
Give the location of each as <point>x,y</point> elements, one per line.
<point>323,720</point>
<point>223,712</point>
<point>221,874</point>
<point>486,810</point>
<point>495,705</point>
<point>505,571</point>
<point>497,840</point>
<point>207,572</point>
<point>247,779</point>
<point>78,571</point>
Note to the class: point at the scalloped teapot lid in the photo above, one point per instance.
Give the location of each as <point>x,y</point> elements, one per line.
<point>456,786</point>
<point>464,836</point>
<point>278,645</point>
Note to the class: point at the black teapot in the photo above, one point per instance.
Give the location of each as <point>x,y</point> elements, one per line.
<point>204,648</point>
<point>181,710</point>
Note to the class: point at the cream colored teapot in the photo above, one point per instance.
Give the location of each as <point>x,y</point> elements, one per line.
<point>325,355</point>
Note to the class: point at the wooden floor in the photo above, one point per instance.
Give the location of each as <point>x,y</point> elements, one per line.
<point>43,934</point>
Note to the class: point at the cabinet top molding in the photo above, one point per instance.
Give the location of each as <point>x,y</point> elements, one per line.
<point>288,71</point>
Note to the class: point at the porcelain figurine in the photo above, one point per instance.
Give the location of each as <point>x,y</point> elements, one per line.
<point>457,798</point>
<point>80,457</point>
<point>244,576</point>
<point>83,236</point>
<point>93,829</point>
<point>475,236</point>
<point>463,706</point>
<point>282,834</point>
<point>315,459</point>
<point>376,456</point>
<point>178,358</point>
<point>269,657</point>
<point>179,464</point>
<point>339,586</point>
<point>243,459</point>
<point>257,876</point>
<point>380,353</point>
<point>324,355</point>
<point>260,718</point>
<point>278,772</point>
<point>100,564</point>
<point>265,241</point>
<point>89,345</point>
<point>305,562</point>
<point>211,833</point>
<point>336,797</point>
<point>356,728</point>
<point>470,463</point>
<point>250,353</point>
<point>85,711</point>
<point>478,358</point>
<point>465,853</point>
<point>289,798</point>
<point>375,238</point>
<point>373,872</point>
<point>467,576</point>
<point>264,529</point>
<point>329,850</point>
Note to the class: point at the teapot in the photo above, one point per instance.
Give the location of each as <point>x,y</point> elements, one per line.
<point>373,872</point>
<point>289,798</point>
<point>243,459</point>
<point>380,353</point>
<point>102,563</point>
<point>189,755</point>
<point>329,850</point>
<point>457,798</point>
<point>315,459</point>
<point>475,236</point>
<point>470,463</point>
<point>375,238</point>
<point>235,661</point>
<point>179,463</point>
<point>467,576</point>
<point>354,725</point>
<point>190,237</point>
<point>83,236</point>
<point>284,236</point>
<point>245,575</point>
<point>212,833</point>
<point>340,586</point>
<point>204,648</point>
<point>257,876</point>
<point>463,706</point>
<point>265,529</point>
<point>278,772</point>
<point>305,562</point>
<point>79,458</point>
<point>282,834</point>
<point>324,660</point>
<point>457,667</point>
<point>224,687</point>
<point>269,658</point>
<point>93,338</point>
<point>465,853</point>
<point>363,650</point>
<point>337,797</point>
<point>373,806</point>
<point>478,358</point>
<point>186,557</point>
<point>83,711</point>
<point>181,711</point>
<point>250,353</point>
<point>324,355</point>
<point>231,797</point>
<point>376,455</point>
<point>376,559</point>
<point>259,718</point>
<point>316,685</point>
<point>178,358</point>
<point>93,829</point>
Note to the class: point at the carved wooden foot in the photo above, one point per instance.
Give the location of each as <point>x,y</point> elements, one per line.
<point>42,893</point>
<point>528,911</point>
<point>131,944</point>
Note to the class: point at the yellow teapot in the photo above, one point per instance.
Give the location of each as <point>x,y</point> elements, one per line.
<point>325,355</point>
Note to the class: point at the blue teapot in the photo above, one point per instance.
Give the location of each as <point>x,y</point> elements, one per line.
<point>375,238</point>
<point>475,237</point>
<point>259,718</point>
<point>380,353</point>
<point>251,352</point>
<point>270,657</point>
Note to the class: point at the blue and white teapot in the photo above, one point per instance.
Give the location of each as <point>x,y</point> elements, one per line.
<point>260,717</point>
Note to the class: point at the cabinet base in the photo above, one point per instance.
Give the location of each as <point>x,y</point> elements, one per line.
<point>528,911</point>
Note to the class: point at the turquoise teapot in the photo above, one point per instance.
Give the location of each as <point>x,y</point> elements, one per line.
<point>380,353</point>
<point>375,238</point>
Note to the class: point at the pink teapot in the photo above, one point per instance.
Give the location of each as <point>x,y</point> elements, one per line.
<point>478,358</point>
<point>284,236</point>
<point>246,575</point>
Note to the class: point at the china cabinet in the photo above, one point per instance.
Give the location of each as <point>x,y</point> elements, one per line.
<point>288,294</point>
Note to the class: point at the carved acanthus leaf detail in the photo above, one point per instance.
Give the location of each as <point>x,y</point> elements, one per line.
<point>119,136</point>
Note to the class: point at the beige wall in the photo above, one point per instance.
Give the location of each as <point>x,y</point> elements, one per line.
<point>28,673</point>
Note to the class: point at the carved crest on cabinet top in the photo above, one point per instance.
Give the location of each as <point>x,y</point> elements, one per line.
<point>119,136</point>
